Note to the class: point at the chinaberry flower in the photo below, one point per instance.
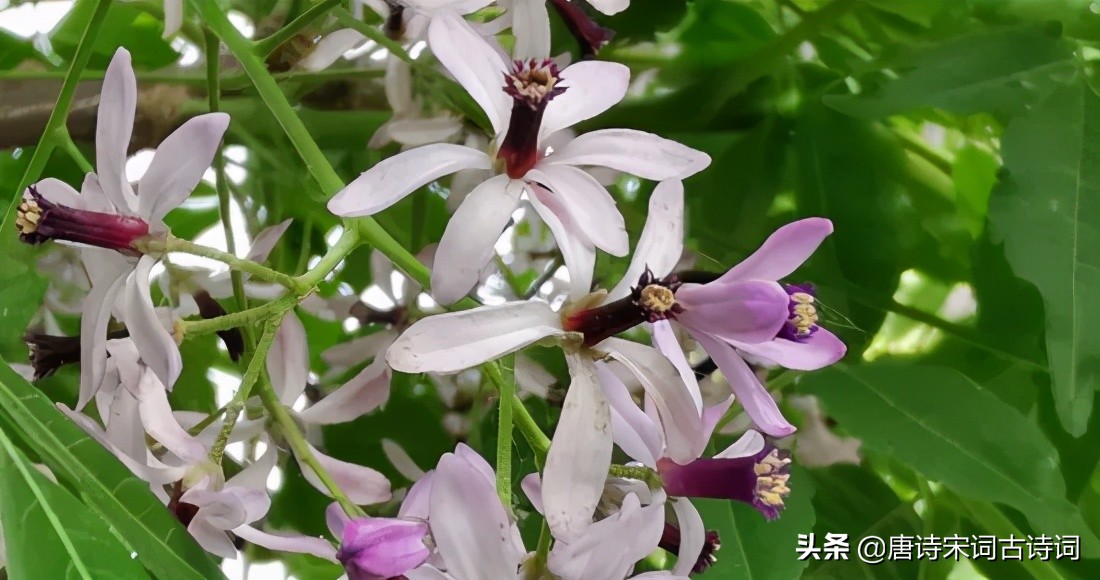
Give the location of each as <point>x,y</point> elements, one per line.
<point>526,102</point>
<point>745,312</point>
<point>759,479</point>
<point>382,547</point>
<point>109,216</point>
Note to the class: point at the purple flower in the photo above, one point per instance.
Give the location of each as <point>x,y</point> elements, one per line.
<point>382,547</point>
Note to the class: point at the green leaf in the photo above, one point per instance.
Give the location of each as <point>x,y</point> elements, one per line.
<point>998,71</point>
<point>1046,210</point>
<point>951,430</point>
<point>122,499</point>
<point>754,548</point>
<point>14,50</point>
<point>125,26</point>
<point>717,33</point>
<point>48,533</point>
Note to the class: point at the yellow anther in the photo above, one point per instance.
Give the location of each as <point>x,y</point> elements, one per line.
<point>28,216</point>
<point>657,298</point>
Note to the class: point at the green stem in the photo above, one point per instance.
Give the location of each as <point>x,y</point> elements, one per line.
<point>988,517</point>
<point>346,18</point>
<point>51,135</point>
<point>251,375</point>
<point>531,431</point>
<point>263,48</point>
<point>349,240</point>
<point>542,553</point>
<point>302,451</point>
<point>174,244</point>
<point>193,328</point>
<point>507,390</point>
<point>74,152</point>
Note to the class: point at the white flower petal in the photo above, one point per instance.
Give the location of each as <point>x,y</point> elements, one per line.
<point>212,539</point>
<point>95,316</point>
<point>395,177</point>
<point>156,474</point>
<point>635,152</point>
<point>611,546</point>
<point>401,461</point>
<point>680,418</point>
<point>297,544</point>
<point>467,243</point>
<point>470,526</point>
<point>161,425</point>
<point>590,205</point>
<point>265,241</point>
<point>592,87</point>
<point>362,485</point>
<point>610,7</point>
<point>61,193</point>
<point>576,249</point>
<point>750,443</point>
<point>635,433</point>
<point>178,165</point>
<point>531,484</point>
<point>364,393</point>
<point>448,343</point>
<point>662,240</point>
<point>692,536</point>
<point>359,349</point>
<point>474,64</point>
<point>173,17</point>
<point>288,359</point>
<point>417,132</point>
<point>157,347</point>
<point>664,338</point>
<point>580,454</point>
<point>531,29</point>
<point>114,124</point>
<point>330,48</point>
<point>255,475</point>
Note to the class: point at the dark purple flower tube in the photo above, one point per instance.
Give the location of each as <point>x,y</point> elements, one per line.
<point>591,36</point>
<point>670,541</point>
<point>40,220</point>
<point>532,85</point>
<point>759,480</point>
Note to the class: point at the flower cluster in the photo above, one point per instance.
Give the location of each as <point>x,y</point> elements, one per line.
<point>632,392</point>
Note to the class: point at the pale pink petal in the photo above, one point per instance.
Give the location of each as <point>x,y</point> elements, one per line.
<point>749,311</point>
<point>417,132</point>
<point>265,241</point>
<point>469,524</point>
<point>395,177</point>
<point>531,484</point>
<point>748,444</point>
<point>360,349</point>
<point>427,572</point>
<point>161,425</point>
<point>820,349</point>
<point>576,249</point>
<point>95,316</point>
<point>531,29</point>
<point>448,343</point>
<point>336,519</point>
<point>415,504</point>
<point>580,454</point>
<point>635,433</point>
<point>297,544</point>
<point>178,165</point>
<point>635,152</point>
<point>381,274</point>
<point>123,423</point>
<point>692,535</point>
<point>364,393</point>
<point>681,420</point>
<point>589,204</point>
<point>154,474</point>
<point>474,64</point>
<point>288,359</point>
<point>254,502</point>
<point>610,7</point>
<point>664,339</point>
<point>662,240</point>
<point>478,462</point>
<point>752,395</point>
<point>784,251</point>
<point>61,193</point>
<point>401,461</point>
<point>157,347</point>
<point>173,17</point>
<point>592,87</point>
<point>93,195</point>
<point>713,414</point>
<point>362,485</point>
<point>114,123</point>
<point>611,546</point>
<point>255,475</point>
<point>398,86</point>
<point>467,244</point>
<point>212,539</point>
<point>330,48</point>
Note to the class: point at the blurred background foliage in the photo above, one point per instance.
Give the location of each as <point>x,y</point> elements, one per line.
<point>955,144</point>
